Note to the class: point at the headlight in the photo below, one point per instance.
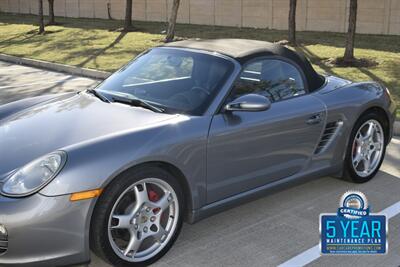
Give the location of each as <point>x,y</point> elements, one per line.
<point>35,175</point>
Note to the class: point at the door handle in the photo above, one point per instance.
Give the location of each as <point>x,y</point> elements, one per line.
<point>314,119</point>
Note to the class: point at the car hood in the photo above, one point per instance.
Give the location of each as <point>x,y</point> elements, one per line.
<point>56,124</point>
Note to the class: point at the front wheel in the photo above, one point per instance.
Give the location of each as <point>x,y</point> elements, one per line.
<point>137,218</point>
<point>366,149</point>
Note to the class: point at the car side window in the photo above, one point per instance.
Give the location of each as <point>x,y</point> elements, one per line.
<point>273,78</point>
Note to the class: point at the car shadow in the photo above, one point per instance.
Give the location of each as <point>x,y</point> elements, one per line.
<point>273,228</point>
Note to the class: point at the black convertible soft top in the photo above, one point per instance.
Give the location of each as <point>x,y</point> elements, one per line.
<point>243,50</point>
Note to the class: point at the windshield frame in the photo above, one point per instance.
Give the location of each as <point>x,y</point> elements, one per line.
<point>212,105</point>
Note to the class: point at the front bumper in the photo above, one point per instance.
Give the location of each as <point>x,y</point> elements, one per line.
<point>45,231</point>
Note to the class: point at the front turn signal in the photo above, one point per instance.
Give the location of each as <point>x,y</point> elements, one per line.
<point>85,195</point>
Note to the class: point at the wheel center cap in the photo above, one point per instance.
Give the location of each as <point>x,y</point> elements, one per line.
<point>365,147</point>
<point>144,219</point>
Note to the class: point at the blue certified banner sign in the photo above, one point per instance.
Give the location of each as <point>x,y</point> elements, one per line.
<point>353,229</point>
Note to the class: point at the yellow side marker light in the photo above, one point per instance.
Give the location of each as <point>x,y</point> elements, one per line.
<point>85,195</point>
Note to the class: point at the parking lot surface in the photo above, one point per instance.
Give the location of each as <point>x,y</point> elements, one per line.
<point>278,229</point>
<point>18,82</point>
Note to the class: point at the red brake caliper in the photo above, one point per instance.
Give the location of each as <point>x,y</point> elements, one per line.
<point>153,197</point>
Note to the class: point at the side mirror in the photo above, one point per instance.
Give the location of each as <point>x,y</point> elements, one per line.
<point>250,103</point>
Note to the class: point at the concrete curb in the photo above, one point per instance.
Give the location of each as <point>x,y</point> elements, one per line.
<point>396,128</point>
<point>90,73</point>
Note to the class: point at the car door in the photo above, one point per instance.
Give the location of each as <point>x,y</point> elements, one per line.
<point>250,149</point>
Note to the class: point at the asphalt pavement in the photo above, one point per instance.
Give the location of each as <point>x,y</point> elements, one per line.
<point>17,82</point>
<point>278,229</point>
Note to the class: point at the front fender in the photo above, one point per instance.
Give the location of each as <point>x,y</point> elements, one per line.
<point>94,164</point>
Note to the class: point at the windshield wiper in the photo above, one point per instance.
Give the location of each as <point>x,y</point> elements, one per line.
<point>98,95</point>
<point>136,102</point>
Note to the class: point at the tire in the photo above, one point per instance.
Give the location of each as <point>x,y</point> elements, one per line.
<point>116,199</point>
<point>353,171</point>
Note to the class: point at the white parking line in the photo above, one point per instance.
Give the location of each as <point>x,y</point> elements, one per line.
<point>304,258</point>
<point>313,253</point>
<point>392,211</point>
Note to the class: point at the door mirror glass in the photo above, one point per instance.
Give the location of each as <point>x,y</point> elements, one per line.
<point>250,103</point>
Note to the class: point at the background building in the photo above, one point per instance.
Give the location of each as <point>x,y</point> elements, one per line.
<point>375,17</point>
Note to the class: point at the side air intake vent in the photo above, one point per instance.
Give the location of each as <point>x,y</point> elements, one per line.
<point>329,132</point>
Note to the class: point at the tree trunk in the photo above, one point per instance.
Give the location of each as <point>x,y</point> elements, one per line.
<point>351,33</point>
<point>52,20</point>
<point>109,11</point>
<point>172,22</point>
<point>292,22</point>
<point>41,19</point>
<point>128,16</point>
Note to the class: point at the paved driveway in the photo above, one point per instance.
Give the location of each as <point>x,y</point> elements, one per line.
<point>18,82</point>
<point>278,229</point>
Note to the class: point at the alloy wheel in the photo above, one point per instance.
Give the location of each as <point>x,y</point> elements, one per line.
<point>143,220</point>
<point>368,148</point>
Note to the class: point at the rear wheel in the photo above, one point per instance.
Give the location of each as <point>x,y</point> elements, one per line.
<point>137,218</point>
<point>366,149</point>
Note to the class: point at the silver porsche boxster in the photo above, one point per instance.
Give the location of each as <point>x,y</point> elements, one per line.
<point>183,131</point>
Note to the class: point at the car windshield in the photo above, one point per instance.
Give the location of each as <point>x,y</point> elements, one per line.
<point>175,80</point>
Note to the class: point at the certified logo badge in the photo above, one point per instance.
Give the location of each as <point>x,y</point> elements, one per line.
<point>353,205</point>
<point>353,230</point>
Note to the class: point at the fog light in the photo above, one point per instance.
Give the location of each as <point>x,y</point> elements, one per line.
<point>3,232</point>
<point>3,239</point>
